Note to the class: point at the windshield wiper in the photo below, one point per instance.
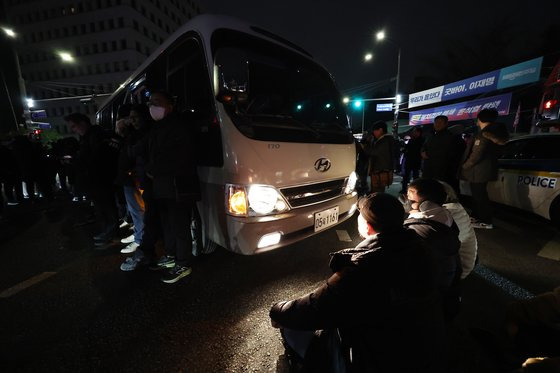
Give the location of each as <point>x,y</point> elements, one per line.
<point>292,120</point>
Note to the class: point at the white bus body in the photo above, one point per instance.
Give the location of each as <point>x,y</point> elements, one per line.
<point>277,156</point>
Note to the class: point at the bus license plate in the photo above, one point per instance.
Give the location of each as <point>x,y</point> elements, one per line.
<point>325,219</point>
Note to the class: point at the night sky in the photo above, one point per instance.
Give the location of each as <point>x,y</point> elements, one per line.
<point>338,33</point>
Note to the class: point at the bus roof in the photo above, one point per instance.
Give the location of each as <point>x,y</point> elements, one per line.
<point>205,24</point>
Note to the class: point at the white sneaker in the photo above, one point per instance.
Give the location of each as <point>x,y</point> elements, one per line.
<point>124,224</point>
<point>128,239</point>
<point>130,248</point>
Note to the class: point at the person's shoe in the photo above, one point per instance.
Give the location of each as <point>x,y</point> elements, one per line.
<point>128,239</point>
<point>130,248</point>
<point>175,274</point>
<point>481,225</point>
<point>165,261</point>
<point>133,262</point>
<point>76,199</point>
<point>124,224</point>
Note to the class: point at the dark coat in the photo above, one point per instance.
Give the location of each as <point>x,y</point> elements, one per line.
<point>96,161</point>
<point>411,155</point>
<point>444,150</point>
<point>381,154</point>
<point>481,164</point>
<point>171,160</point>
<point>382,298</point>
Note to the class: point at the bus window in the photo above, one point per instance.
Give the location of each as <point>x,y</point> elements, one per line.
<point>188,80</point>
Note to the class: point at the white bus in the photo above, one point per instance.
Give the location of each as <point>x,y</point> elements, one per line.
<point>276,153</point>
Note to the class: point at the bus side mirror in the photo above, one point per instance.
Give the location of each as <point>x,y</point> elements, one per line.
<point>231,98</point>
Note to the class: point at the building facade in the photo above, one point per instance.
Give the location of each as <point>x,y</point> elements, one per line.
<point>73,54</point>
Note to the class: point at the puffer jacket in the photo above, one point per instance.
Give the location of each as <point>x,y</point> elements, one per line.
<point>481,164</point>
<point>383,299</point>
<point>467,236</point>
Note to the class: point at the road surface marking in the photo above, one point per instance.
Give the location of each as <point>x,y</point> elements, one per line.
<point>26,284</point>
<point>552,249</point>
<point>343,236</point>
<point>503,283</point>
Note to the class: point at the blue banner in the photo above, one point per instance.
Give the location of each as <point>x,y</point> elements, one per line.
<point>472,86</point>
<point>522,73</point>
<point>462,110</point>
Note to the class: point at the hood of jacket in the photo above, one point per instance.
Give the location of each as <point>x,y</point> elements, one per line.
<point>496,132</point>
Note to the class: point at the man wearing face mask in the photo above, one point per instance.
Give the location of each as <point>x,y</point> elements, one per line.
<point>171,166</point>
<point>380,306</point>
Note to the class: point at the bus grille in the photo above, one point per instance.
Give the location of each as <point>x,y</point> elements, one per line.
<point>313,193</point>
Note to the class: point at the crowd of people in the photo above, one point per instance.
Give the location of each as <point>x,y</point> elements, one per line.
<point>391,299</point>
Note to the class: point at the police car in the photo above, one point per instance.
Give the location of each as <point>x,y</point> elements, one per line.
<point>529,175</point>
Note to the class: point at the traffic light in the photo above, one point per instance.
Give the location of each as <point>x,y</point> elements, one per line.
<point>358,104</point>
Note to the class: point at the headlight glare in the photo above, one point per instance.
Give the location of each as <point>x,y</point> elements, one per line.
<point>351,183</point>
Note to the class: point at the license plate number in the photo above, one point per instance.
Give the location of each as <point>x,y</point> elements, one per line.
<point>325,219</point>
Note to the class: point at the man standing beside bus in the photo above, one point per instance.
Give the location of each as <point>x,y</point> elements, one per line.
<point>171,166</point>
<point>381,156</point>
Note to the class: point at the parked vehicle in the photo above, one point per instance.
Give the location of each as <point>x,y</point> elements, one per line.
<point>276,153</point>
<point>529,175</point>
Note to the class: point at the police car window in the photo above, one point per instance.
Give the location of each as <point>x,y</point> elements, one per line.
<point>514,150</point>
<point>545,148</point>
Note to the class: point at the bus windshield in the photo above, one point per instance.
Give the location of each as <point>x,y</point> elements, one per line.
<point>280,95</point>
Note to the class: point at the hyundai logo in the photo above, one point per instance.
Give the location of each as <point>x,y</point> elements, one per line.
<point>322,164</point>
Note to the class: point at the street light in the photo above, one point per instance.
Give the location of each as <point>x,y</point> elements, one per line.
<point>8,31</point>
<point>65,56</point>
<point>380,36</point>
<point>368,57</point>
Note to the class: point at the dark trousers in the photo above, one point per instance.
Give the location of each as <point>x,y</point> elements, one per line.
<point>176,223</point>
<point>103,198</point>
<point>481,204</point>
<point>408,171</point>
<point>152,223</point>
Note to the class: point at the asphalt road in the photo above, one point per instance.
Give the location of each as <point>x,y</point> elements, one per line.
<point>67,307</point>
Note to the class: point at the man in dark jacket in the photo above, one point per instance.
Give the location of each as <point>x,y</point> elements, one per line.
<point>172,168</point>
<point>481,165</point>
<point>96,170</point>
<point>412,160</point>
<point>442,154</point>
<point>381,158</point>
<point>382,300</point>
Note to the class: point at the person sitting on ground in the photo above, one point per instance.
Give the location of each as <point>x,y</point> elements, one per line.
<point>435,225</point>
<point>381,303</point>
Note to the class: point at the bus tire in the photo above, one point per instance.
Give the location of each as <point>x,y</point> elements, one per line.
<point>555,212</point>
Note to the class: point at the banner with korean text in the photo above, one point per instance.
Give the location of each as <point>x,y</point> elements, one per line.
<point>521,73</point>
<point>462,110</point>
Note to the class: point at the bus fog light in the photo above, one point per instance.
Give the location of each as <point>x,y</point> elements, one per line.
<point>269,239</point>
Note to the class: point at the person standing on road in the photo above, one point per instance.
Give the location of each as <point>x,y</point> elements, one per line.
<point>172,167</point>
<point>380,308</point>
<point>412,160</point>
<point>381,157</point>
<point>481,164</point>
<point>442,154</point>
<point>96,169</point>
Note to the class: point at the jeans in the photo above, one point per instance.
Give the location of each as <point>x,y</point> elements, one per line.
<point>135,206</point>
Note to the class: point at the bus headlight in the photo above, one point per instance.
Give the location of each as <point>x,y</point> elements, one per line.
<point>351,183</point>
<point>265,200</point>
<point>253,200</point>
